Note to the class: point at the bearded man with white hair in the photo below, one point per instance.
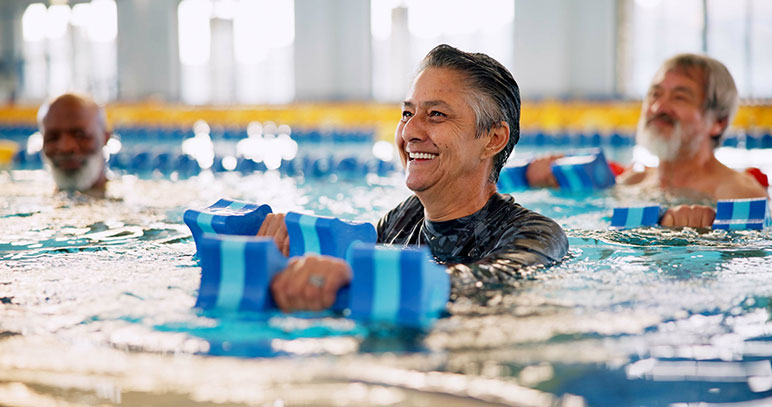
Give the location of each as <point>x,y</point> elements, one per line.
<point>74,130</point>
<point>688,108</point>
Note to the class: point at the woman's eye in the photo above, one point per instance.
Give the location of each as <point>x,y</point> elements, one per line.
<point>406,115</point>
<point>435,113</point>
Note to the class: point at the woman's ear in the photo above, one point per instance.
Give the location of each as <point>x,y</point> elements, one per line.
<point>498,137</point>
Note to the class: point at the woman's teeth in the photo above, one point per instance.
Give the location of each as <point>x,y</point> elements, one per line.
<point>422,156</point>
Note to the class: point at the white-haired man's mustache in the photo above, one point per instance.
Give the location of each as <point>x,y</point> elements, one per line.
<point>662,116</point>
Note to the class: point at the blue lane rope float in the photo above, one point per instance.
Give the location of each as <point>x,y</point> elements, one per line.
<point>226,216</point>
<point>142,161</point>
<point>579,139</point>
<point>585,172</point>
<point>402,286</point>
<point>731,214</point>
<point>327,236</point>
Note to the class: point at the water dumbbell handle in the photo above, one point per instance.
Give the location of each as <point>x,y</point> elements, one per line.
<point>734,214</point>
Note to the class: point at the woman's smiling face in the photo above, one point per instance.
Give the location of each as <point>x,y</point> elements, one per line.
<point>436,136</point>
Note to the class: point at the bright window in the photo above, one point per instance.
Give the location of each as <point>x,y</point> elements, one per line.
<point>195,37</point>
<point>661,29</point>
<point>237,51</point>
<point>759,43</point>
<point>736,32</point>
<point>403,31</point>
<point>70,49</point>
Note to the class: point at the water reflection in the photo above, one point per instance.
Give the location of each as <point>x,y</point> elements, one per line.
<point>98,295</point>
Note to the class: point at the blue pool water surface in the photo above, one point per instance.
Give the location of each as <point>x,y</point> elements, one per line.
<point>96,307</point>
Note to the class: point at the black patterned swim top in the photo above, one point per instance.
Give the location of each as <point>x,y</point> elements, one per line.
<point>495,245</point>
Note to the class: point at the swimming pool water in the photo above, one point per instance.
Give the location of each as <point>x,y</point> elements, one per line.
<point>96,304</point>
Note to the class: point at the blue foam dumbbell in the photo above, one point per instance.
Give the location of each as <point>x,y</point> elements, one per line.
<point>583,172</point>
<point>228,217</point>
<point>394,285</point>
<point>733,214</point>
<point>742,214</point>
<point>586,172</point>
<point>633,217</point>
<point>512,177</point>
<point>397,285</point>
<point>322,235</point>
<point>236,272</point>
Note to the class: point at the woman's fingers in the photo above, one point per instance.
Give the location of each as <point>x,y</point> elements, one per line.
<point>273,226</point>
<point>310,283</point>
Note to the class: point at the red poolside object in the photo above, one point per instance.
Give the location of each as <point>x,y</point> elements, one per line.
<point>759,175</point>
<point>616,168</point>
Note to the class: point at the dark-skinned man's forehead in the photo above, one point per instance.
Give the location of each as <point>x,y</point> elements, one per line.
<point>70,113</point>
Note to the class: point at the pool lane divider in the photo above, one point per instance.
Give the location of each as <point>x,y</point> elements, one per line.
<point>575,173</point>
<point>399,285</point>
<point>731,214</point>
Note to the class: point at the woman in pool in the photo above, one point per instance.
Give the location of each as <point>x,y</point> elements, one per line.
<point>458,127</point>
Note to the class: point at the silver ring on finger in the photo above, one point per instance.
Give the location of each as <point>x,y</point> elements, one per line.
<point>316,280</point>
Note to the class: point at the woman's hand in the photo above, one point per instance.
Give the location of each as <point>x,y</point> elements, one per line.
<point>273,226</point>
<point>310,283</point>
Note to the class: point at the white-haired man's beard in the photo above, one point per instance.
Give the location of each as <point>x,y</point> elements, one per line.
<point>666,148</point>
<point>81,179</point>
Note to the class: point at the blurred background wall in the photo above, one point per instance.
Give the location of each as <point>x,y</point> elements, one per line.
<point>205,52</point>
<point>582,65</point>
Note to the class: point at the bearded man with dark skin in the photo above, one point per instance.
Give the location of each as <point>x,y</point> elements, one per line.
<point>74,132</point>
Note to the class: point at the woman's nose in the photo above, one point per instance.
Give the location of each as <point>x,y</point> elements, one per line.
<point>413,130</point>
